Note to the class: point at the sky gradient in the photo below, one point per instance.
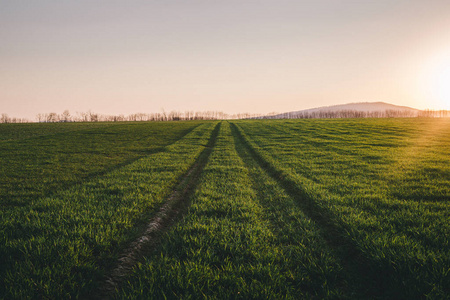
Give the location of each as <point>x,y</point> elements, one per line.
<point>122,57</point>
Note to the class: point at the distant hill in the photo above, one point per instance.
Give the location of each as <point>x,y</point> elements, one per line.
<point>351,110</point>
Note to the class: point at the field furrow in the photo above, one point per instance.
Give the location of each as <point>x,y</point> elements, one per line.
<point>299,220</point>
<point>171,210</point>
<point>347,171</point>
<point>60,246</point>
<point>242,209</point>
<point>304,237</point>
<point>228,246</point>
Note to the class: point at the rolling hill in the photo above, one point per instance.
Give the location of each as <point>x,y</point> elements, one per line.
<point>362,109</point>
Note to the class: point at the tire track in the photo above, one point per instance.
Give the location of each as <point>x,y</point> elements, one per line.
<point>172,210</point>
<point>363,282</point>
<point>290,224</point>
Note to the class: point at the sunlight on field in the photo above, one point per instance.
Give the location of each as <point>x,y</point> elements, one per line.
<point>278,209</point>
<point>432,136</point>
<point>425,148</point>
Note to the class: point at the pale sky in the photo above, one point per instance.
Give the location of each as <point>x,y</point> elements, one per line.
<point>122,57</point>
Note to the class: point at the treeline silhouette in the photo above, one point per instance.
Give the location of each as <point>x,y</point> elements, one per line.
<point>4,118</point>
<point>95,117</point>
<point>89,116</point>
<point>360,114</point>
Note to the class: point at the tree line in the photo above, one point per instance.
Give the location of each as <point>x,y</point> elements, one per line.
<point>89,116</point>
<point>360,114</point>
<point>4,118</point>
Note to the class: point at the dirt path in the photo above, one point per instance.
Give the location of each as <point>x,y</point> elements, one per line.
<point>172,210</point>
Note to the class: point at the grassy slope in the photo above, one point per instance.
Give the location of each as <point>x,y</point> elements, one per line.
<point>59,246</point>
<point>383,183</point>
<point>243,238</point>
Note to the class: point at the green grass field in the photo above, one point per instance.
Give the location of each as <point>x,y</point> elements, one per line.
<point>279,209</point>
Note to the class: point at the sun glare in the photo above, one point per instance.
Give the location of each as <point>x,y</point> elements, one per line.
<point>442,85</point>
<point>438,82</point>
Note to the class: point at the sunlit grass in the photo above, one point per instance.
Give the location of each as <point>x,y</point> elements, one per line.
<point>283,209</point>
<point>59,246</point>
<point>242,238</point>
<point>384,182</point>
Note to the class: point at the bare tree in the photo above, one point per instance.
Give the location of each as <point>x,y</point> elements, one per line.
<point>51,117</point>
<point>65,116</point>
<point>93,117</point>
<point>40,117</point>
<point>4,118</point>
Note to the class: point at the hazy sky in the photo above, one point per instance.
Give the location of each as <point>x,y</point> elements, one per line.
<point>257,56</point>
